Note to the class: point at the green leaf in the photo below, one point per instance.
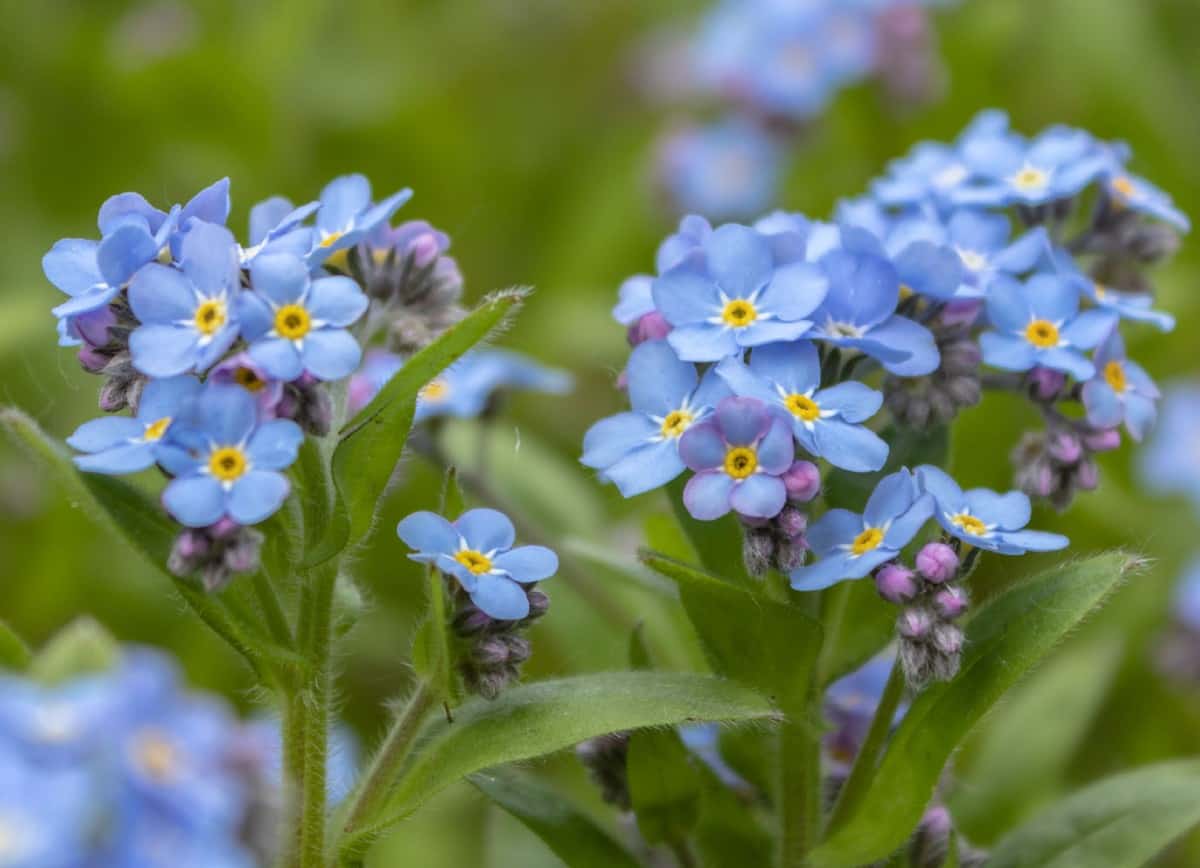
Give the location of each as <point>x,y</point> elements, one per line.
<point>858,625</point>
<point>1020,756</point>
<point>664,786</point>
<point>313,490</point>
<point>907,448</point>
<point>372,442</point>
<point>639,654</point>
<point>573,836</point>
<point>729,834</point>
<point>83,647</point>
<point>748,637</point>
<point>718,544</point>
<point>14,653</point>
<point>1120,822</point>
<point>1003,642</point>
<point>542,718</point>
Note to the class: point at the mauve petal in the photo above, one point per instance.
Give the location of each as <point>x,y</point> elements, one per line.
<point>742,420</point>
<point>706,495</point>
<point>759,496</point>
<point>776,450</point>
<point>702,447</point>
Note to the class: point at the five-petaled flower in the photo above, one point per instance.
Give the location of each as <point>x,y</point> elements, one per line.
<point>1121,391</point>
<point>477,550</point>
<point>346,215</point>
<point>120,444</point>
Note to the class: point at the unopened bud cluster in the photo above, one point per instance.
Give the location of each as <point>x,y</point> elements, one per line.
<point>1057,463</point>
<point>215,554</point>
<point>491,651</point>
<point>605,759</point>
<point>779,543</point>
<point>929,401</point>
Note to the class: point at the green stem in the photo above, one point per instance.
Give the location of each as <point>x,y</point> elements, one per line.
<point>683,853</point>
<point>799,788</point>
<point>867,758</point>
<point>386,765</point>
<point>268,601</point>
<point>214,614</point>
<point>834,604</point>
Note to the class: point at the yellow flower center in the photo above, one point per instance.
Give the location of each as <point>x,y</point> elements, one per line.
<point>676,422</point>
<point>227,463</point>
<point>210,316</point>
<point>740,462</point>
<point>739,313</point>
<point>970,524</point>
<point>331,239</point>
<point>164,255</point>
<point>802,407</point>
<point>435,390</point>
<point>249,380</point>
<point>1100,290</point>
<point>906,291</point>
<point>1030,179</point>
<point>292,321</point>
<point>1114,375</point>
<point>1042,333</point>
<point>477,562</point>
<point>971,260</point>
<point>1123,186</point>
<point>155,430</point>
<point>867,541</point>
<point>156,756</point>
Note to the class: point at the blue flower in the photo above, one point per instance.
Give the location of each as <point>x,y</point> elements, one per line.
<point>739,455</point>
<point>1170,463</point>
<point>639,450</point>
<point>691,236</point>
<point>860,312</point>
<point>851,546</point>
<point>1057,164</point>
<point>1121,391</point>
<point>295,324</point>
<point>477,549</point>
<point>1138,194</point>
<point>72,267</point>
<point>850,704</point>
<point>1132,306</point>
<point>466,387</point>
<point>187,314</point>
<point>983,518</point>
<point>736,297</point>
<point>227,463</point>
<point>1187,596</point>
<point>985,249</point>
<point>825,421</point>
<point>346,215</point>
<point>727,171</point>
<point>119,444</point>
<point>44,814</point>
<point>634,299</point>
<point>1038,324</point>
<point>135,232</point>
<point>275,223</point>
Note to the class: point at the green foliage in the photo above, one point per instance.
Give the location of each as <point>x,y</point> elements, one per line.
<point>434,642</point>
<point>83,647</point>
<point>857,624</point>
<point>664,785</point>
<point>568,831</point>
<point>716,543</point>
<point>1118,822</point>
<point>14,653</point>
<point>1004,641</point>
<point>908,448</point>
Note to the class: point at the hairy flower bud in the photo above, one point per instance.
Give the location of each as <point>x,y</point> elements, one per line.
<point>950,602</point>
<point>946,638</point>
<point>803,481</point>
<point>605,757</point>
<point>915,623</point>
<point>937,562</point>
<point>791,522</point>
<point>1105,440</point>
<point>896,583</point>
<point>758,550</point>
<point>931,843</point>
<point>1046,384</point>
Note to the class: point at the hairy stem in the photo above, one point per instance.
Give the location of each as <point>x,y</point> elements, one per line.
<point>799,788</point>
<point>272,610</point>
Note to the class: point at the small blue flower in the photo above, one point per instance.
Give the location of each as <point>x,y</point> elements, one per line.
<point>639,450</point>
<point>691,236</point>
<point>227,463</point>
<point>727,171</point>
<point>187,315</point>
<point>634,299</point>
<point>275,223</point>
<point>1139,195</point>
<point>118,444</point>
<point>1057,164</point>
<point>851,546</point>
<point>72,267</point>
<point>295,324</point>
<point>736,297</point>
<point>477,549</point>
<point>825,421</point>
<point>739,454</point>
<point>1121,391</point>
<point>1132,306</point>
<point>466,387</point>
<point>1038,324</point>
<point>983,518</point>
<point>346,215</point>
<point>1170,463</point>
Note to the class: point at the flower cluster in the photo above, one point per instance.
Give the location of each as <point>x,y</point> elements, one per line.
<point>223,353</point>
<point>777,66</point>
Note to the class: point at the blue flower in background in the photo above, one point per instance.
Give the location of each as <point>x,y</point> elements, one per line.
<point>704,741</point>
<point>119,444</point>
<point>1057,164</point>
<point>346,215</point>
<point>227,463</point>
<point>850,704</point>
<point>1170,463</point>
<point>851,546</point>
<point>1139,195</point>
<point>825,421</point>
<point>1038,324</point>
<point>44,814</point>
<point>295,324</point>
<point>466,387</point>
<point>1121,391</point>
<point>739,454</point>
<point>729,170</point>
<point>737,298</point>
<point>187,314</point>
<point>1187,596</point>
<point>986,250</point>
<point>639,450</point>
<point>477,549</point>
<point>983,518</point>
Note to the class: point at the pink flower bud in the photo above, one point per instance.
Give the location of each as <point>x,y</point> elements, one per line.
<point>914,623</point>
<point>1087,476</point>
<point>1064,448</point>
<point>1103,441</point>
<point>950,602</point>
<point>425,250</point>
<point>651,327</point>
<point>896,583</point>
<point>792,522</point>
<point>1046,384</point>
<point>225,528</point>
<point>803,481</point>
<point>92,360</point>
<point>937,562</point>
<point>961,312</point>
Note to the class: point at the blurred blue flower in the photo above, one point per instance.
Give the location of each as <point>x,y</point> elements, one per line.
<point>187,314</point>
<point>1038,324</point>
<point>1187,596</point>
<point>736,297</point>
<point>727,171</point>
<point>739,454</point>
<point>45,814</point>
<point>704,741</point>
<point>1170,463</point>
<point>296,325</point>
<point>346,215</point>
<point>639,450</point>
<point>851,546</point>
<point>1056,164</point>
<point>850,704</point>
<point>477,549</point>
<point>226,462</point>
<point>119,444</point>
<point>1133,306</point>
<point>1121,391</point>
<point>466,387</point>
<point>983,518</point>
<point>1139,195</point>
<point>825,421</point>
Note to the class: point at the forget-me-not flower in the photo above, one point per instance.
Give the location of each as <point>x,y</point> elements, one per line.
<point>1170,463</point>
<point>465,388</point>
<point>72,267</point>
<point>346,215</point>
<point>477,549</point>
<point>727,171</point>
<point>984,518</point>
<point>119,444</point>
<point>1121,391</point>
<point>851,546</point>
<point>275,223</point>
<point>1137,194</point>
<point>1057,164</point>
<point>986,249</point>
<point>827,422</point>
<point>638,450</point>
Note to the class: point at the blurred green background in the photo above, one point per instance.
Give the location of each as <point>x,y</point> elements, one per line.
<point>518,124</point>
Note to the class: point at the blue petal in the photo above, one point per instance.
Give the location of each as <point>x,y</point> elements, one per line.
<point>611,439</point>
<point>1090,328</point>
<point>167,398</point>
<point>129,458</point>
<point>759,496</point>
<point>706,495</point>
<point>1066,360</point>
<point>278,357</point>
<point>683,295</point>
<point>267,215</point>
<point>906,526</point>
<point>930,270</point>
<point>486,530</point>
<point>1007,351</point>
<point>105,433</point>
<point>1035,540</point>
<point>210,205</point>
<point>209,257</point>
<point>835,528</point>
<point>634,299</point>
<point>739,259</point>
<point>257,495</point>
<point>744,382</point>
<point>330,354</point>
<point>823,574</point>
<point>195,501</point>
<point>383,212</point>
<point>658,381</point>
<point>796,367</point>
<point>1007,306</point>
<point>742,420</point>
<point>117,209</point>
<point>275,444</point>
<point>159,294</point>
<point>227,413</point>
<point>711,391</point>
<point>978,231</point>
<point>341,201</point>
<point>163,350</point>
<point>702,446</point>
<point>771,331</point>
<point>1140,414</point>
<point>850,447</point>
<point>71,265</point>
<point>280,277</point>
<point>853,401</point>
<point>254,315</point>
<point>500,597</point>
<point>1104,408</point>
<point>528,563</point>
<point>1022,255</point>
<point>123,252</point>
<point>947,493</point>
<point>1052,298</point>
<point>645,468</point>
<point>428,532</point>
<point>210,353</point>
<point>795,291</point>
<point>892,496</point>
<point>897,335</point>
<point>702,342</point>
<point>91,300</point>
<point>776,450</point>
<point>865,289</point>
<point>1008,511</point>
<point>337,301</point>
